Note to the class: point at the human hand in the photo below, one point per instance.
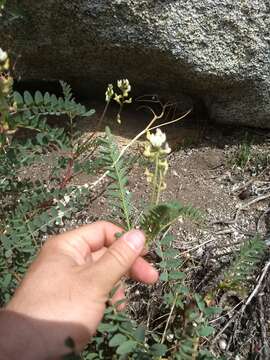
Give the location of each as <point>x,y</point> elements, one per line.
<point>69,284</point>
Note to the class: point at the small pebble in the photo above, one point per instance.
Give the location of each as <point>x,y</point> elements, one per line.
<point>222,344</point>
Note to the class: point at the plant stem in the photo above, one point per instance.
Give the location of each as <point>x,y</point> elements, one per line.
<point>159,188</point>
<point>155,180</point>
<point>71,128</point>
<point>169,319</point>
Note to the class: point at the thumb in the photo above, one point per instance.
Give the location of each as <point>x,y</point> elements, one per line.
<point>118,259</point>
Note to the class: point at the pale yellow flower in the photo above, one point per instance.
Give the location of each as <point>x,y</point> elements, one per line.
<point>128,101</point>
<point>118,98</point>
<point>124,86</point>
<point>3,56</point>
<point>166,149</point>
<point>149,176</point>
<point>109,93</point>
<point>157,139</point>
<point>118,118</point>
<point>147,151</point>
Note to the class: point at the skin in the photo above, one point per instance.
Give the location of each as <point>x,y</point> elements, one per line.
<point>65,291</point>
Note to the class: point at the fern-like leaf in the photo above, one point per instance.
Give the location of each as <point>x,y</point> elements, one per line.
<point>47,104</point>
<point>158,218</point>
<point>117,192</point>
<point>67,91</point>
<point>243,266</point>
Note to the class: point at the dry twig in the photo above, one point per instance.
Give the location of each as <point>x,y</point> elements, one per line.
<point>265,343</point>
<point>257,287</point>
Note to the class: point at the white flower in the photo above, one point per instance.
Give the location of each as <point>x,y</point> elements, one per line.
<point>157,139</point>
<point>124,85</point>
<point>167,149</point>
<point>3,56</point>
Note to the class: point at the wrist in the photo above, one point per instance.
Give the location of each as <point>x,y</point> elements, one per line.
<point>19,338</point>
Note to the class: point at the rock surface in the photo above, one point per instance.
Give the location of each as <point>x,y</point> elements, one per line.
<point>217,51</point>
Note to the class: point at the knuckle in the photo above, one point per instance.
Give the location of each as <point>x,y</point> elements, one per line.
<point>120,258</point>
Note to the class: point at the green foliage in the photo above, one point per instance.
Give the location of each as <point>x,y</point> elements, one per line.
<point>242,156</point>
<point>49,104</point>
<point>161,216</point>
<point>118,335</point>
<point>187,305</point>
<point>186,325</point>
<point>117,171</point>
<point>241,269</point>
<point>32,207</point>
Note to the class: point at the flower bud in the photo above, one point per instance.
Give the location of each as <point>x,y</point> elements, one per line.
<point>109,93</point>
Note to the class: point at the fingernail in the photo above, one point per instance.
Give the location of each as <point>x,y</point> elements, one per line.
<point>135,239</point>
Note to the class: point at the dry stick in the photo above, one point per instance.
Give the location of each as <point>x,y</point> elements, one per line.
<point>228,313</point>
<point>266,348</point>
<point>148,128</point>
<point>240,312</point>
<point>224,232</point>
<point>261,218</point>
<point>243,207</point>
<point>253,201</point>
<point>225,327</point>
<point>254,292</point>
<point>197,246</point>
<point>256,289</point>
<point>249,182</point>
<point>168,320</point>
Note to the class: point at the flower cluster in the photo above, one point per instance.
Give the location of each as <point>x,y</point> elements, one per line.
<point>125,87</point>
<point>4,61</point>
<point>6,84</point>
<point>6,81</point>
<point>156,151</point>
<point>122,98</point>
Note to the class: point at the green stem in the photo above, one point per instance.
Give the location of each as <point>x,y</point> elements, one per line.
<point>159,188</point>
<point>71,128</point>
<point>85,144</point>
<point>155,180</point>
